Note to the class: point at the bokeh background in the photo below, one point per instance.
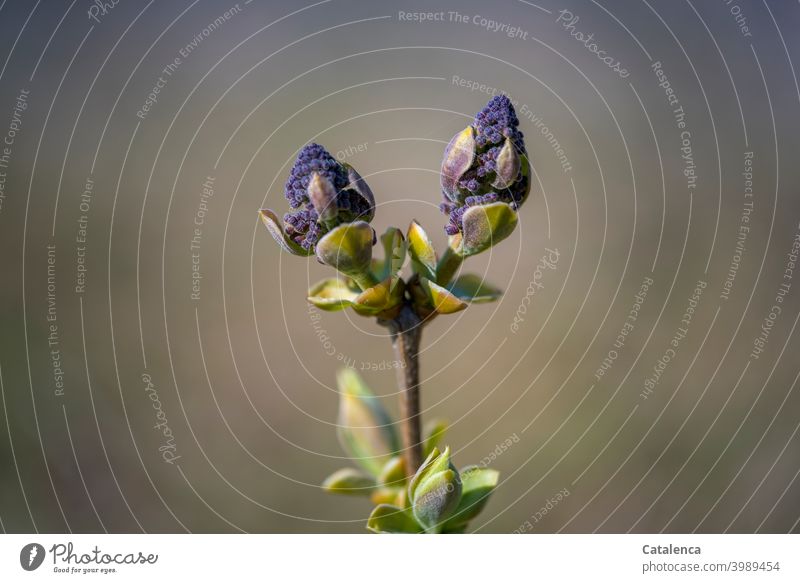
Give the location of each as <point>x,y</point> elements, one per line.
<point>244,371</point>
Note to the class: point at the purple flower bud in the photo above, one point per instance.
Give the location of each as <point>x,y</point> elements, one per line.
<point>325,194</point>
<point>498,163</point>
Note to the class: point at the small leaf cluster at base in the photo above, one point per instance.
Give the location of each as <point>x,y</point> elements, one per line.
<point>436,499</point>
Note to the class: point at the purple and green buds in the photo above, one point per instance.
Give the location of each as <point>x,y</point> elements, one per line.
<point>435,491</point>
<point>484,164</point>
<point>324,194</point>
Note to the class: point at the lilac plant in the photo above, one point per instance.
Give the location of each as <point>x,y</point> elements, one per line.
<point>485,178</point>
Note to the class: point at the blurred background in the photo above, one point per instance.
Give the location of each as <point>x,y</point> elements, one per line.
<point>161,370</point>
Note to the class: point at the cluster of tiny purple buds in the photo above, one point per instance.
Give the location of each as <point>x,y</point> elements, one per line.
<point>493,124</point>
<point>456,212</point>
<point>302,225</point>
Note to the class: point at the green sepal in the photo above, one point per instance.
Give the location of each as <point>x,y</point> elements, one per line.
<point>423,255</point>
<point>275,229</point>
<point>486,225</point>
<point>347,248</point>
<point>365,429</point>
<point>394,253</point>
<point>477,484</point>
<point>386,519</point>
<point>442,300</point>
<point>349,481</point>
<point>332,294</point>
<point>381,299</point>
<point>433,434</point>
<point>472,288</point>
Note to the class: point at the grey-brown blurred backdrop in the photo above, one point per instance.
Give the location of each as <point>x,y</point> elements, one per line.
<point>140,139</point>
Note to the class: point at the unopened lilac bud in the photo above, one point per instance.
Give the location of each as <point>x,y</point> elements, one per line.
<point>498,165</point>
<point>324,194</point>
<point>435,491</point>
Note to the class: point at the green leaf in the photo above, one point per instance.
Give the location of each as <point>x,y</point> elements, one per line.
<point>365,429</point>
<point>381,298</point>
<point>423,255</point>
<point>477,484</point>
<point>434,433</point>
<point>386,518</point>
<point>393,473</point>
<point>349,481</point>
<point>394,253</point>
<point>332,295</point>
<point>275,229</point>
<point>472,288</point>
<point>347,248</point>
<point>486,225</point>
<point>443,301</point>
<point>422,470</point>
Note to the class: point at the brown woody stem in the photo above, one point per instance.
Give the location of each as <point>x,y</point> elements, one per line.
<point>406,332</point>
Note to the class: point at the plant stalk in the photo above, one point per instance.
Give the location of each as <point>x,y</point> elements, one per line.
<point>406,333</point>
<point>448,266</point>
